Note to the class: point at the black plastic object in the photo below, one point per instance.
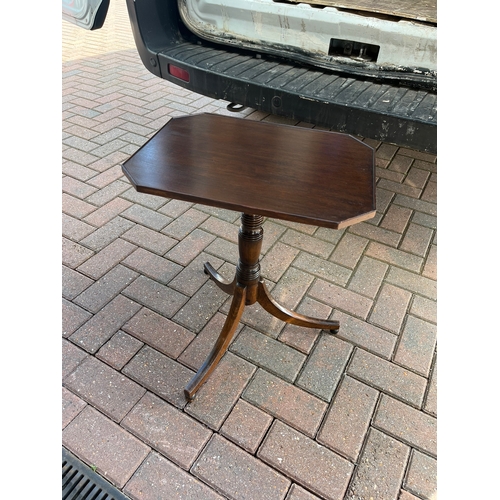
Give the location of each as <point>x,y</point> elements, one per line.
<point>391,113</point>
<point>100,15</point>
<point>80,482</point>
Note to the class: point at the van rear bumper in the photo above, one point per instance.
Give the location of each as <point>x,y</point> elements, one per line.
<point>399,115</point>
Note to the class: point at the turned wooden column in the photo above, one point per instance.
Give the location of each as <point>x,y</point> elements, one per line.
<point>250,238</point>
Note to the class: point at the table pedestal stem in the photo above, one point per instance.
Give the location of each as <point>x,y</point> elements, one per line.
<point>247,288</point>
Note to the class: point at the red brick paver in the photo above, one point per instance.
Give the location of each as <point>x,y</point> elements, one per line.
<point>289,413</point>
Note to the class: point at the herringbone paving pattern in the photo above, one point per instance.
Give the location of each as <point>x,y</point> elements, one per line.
<point>290,413</point>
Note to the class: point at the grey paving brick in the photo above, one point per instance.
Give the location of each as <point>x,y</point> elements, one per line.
<point>159,478</point>
<point>174,208</point>
<point>368,276</point>
<point>386,151</point>
<point>299,338</point>
<point>319,469</point>
<point>348,250</point>
<point>407,424</point>
<point>340,298</point>
<point>298,493</point>
<point>216,398</point>
<point>387,377</point>
<point>417,155</point>
<point>101,327</point>
<point>417,239</point>
<point>108,193</point>
<point>417,177</point>
<point>155,296</point>
<point>119,350</point>
<point>220,228</point>
<point>383,201</point>
<point>99,442</point>
<point>180,227</point>
<point>72,356</point>
<point>72,405</point>
<point>268,353</point>
<point>238,475</point>
<point>302,338</point>
<point>246,426</point>
<point>106,288</point>
<point>382,172</point>
<point>160,333</point>
<point>363,334</point>
<point>345,426</point>
<point>112,159</point>
<point>390,308</point>
<point>192,277</point>
<point>416,347</point>
<point>149,239</point>
<point>418,205</point>
<point>396,187</point>
<point>425,220</point>
<point>412,282</point>
<point>424,308</point>
<point>146,217</point>
<point>75,207</point>
<point>147,200</point>
<point>324,269</point>
<point>185,251</point>
<point>273,230</point>
<point>324,366</point>
<point>394,256</point>
<point>376,233</point>
<point>153,266</point>
<point>197,310</point>
<point>198,350</point>
<point>281,399</point>
<point>107,258</point>
<point>329,234</point>
<point>277,260</point>
<point>220,213</point>
<point>104,388</point>
<point>167,429</point>
<point>223,249</point>
<point>76,187</point>
<point>381,469</point>
<point>430,268</point>
<point>73,317</point>
<point>111,174</point>
<point>396,218</point>
<point>431,398</point>
<point>76,171</point>
<point>404,495</point>
<point>159,374</point>
<point>430,192</point>
<point>107,233</point>
<point>75,229</point>
<point>422,476</point>
<point>307,243</point>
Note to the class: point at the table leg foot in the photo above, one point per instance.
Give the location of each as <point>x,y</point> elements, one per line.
<point>223,341</point>
<point>271,306</point>
<point>223,284</point>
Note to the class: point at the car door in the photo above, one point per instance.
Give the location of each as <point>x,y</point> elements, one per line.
<point>87,14</point>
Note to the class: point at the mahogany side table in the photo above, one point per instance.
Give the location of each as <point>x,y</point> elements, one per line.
<point>262,170</point>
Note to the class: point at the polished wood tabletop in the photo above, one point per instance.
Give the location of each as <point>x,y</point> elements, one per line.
<point>292,173</point>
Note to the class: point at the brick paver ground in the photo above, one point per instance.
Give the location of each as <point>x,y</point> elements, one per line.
<point>290,413</point>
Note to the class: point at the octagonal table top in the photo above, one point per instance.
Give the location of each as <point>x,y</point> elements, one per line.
<point>284,172</point>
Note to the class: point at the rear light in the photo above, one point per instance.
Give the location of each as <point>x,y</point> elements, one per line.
<point>180,73</point>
